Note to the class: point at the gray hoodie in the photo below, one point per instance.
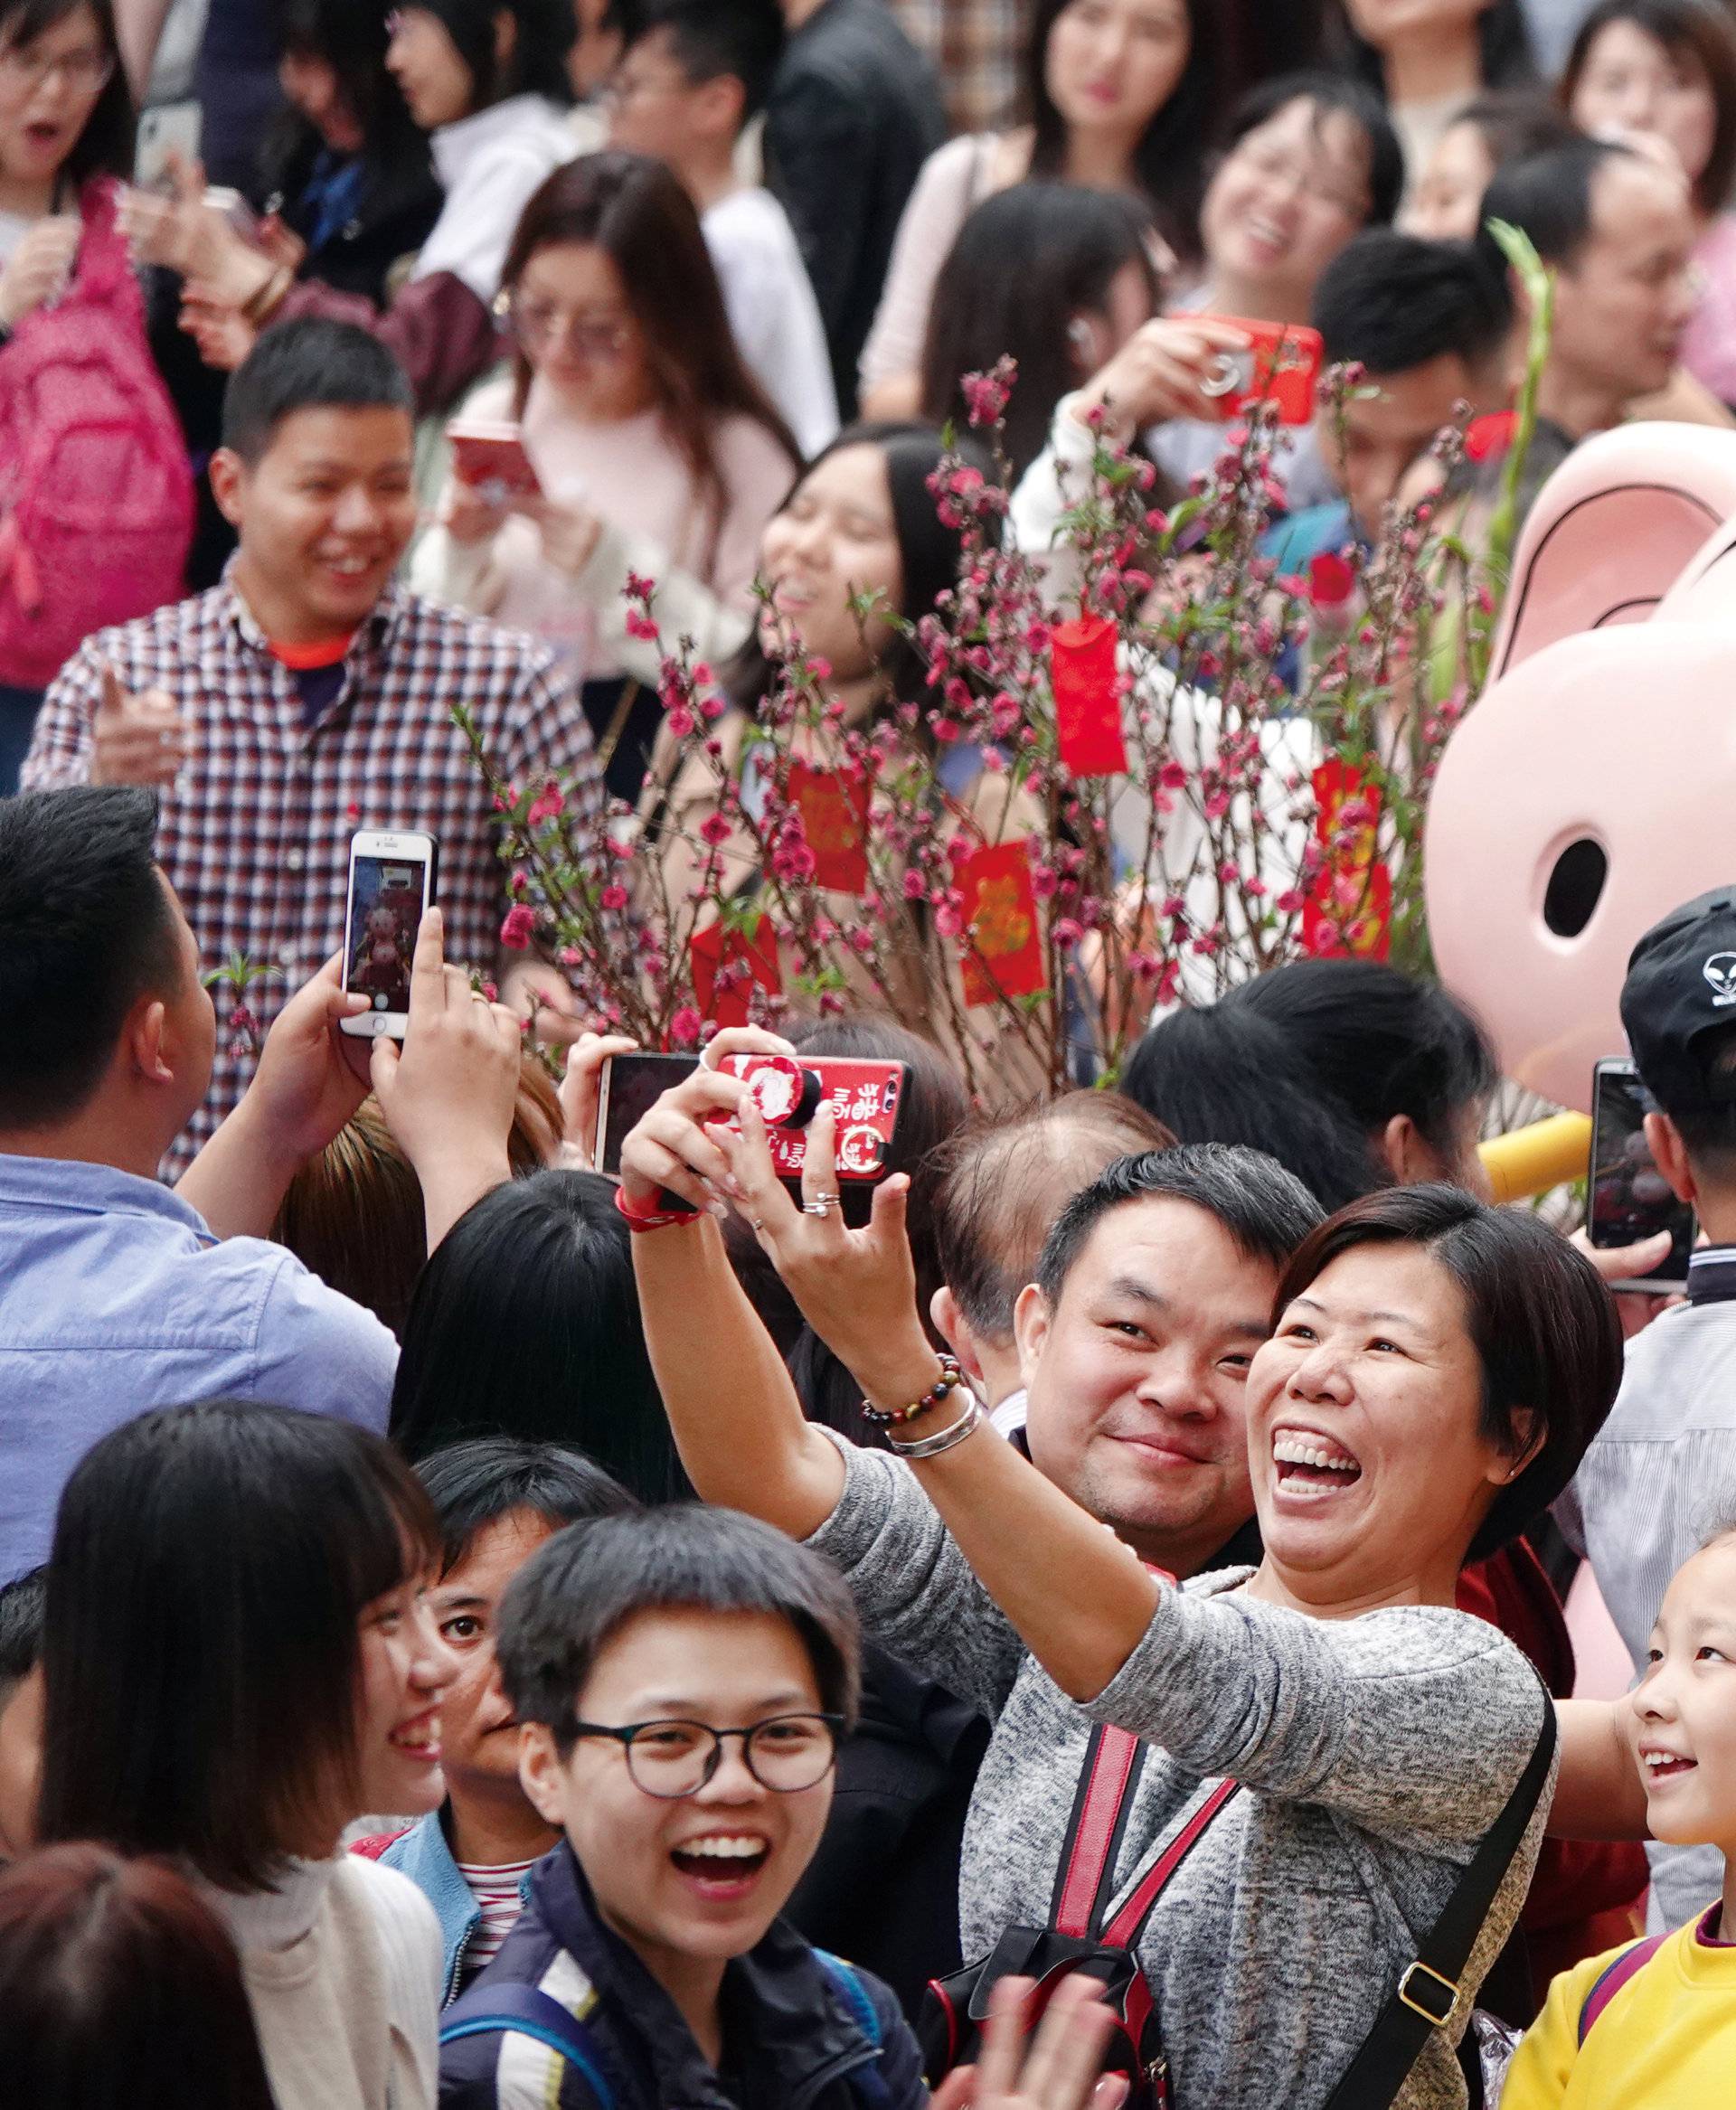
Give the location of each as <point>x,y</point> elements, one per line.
<point>1379,1750</point>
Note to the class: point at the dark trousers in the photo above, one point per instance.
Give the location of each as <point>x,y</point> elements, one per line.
<point>18,709</point>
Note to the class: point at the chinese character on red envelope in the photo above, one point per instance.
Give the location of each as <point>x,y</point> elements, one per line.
<point>1354,886</point>
<point>1001,949</point>
<point>715,948</point>
<point>1087,712</point>
<point>835,819</point>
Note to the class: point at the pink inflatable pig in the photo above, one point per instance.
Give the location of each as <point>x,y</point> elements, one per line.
<point>1594,786</point>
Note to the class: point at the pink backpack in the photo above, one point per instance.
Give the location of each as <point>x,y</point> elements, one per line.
<point>96,493</point>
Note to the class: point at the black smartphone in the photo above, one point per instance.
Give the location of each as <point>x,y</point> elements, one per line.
<point>629,1085</point>
<point>1629,1199</point>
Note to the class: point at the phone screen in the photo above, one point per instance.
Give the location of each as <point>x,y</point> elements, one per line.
<point>634,1083</point>
<point>386,898</point>
<point>1630,1199</point>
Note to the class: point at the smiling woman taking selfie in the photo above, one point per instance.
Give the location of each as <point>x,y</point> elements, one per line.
<point>1436,1370</point>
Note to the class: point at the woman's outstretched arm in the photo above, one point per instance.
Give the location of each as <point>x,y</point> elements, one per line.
<point>737,1420</point>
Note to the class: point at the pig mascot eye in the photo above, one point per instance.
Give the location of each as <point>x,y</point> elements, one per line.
<point>1592,788</point>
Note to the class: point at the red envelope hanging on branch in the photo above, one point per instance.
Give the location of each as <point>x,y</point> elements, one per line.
<point>1354,885</point>
<point>1000,949</point>
<point>1088,711</point>
<point>835,819</point>
<point>721,992</point>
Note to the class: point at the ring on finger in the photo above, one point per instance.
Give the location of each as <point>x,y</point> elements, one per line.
<point>821,1204</point>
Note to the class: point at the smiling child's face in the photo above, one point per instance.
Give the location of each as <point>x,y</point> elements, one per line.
<point>1683,1708</point>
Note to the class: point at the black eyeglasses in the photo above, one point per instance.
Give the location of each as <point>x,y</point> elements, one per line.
<point>670,1759</point>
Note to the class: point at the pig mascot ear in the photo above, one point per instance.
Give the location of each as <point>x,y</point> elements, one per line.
<point>1612,531</point>
<point>1590,789</point>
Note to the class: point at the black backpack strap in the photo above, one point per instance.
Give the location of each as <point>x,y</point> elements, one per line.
<point>1427,1992</point>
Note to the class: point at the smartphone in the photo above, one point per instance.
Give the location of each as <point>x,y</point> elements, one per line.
<point>627,1090</point>
<point>235,209</point>
<point>868,1098</point>
<point>1280,364</point>
<point>489,454</point>
<point>391,884</point>
<point>166,128</point>
<point>1629,1199</point>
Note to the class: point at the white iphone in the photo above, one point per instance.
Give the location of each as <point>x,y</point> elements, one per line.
<point>391,883</point>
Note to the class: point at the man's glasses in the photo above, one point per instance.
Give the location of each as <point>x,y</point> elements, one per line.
<point>670,1759</point>
<point>538,327</point>
<point>84,73</point>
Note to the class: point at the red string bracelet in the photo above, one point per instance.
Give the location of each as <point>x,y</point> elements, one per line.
<point>652,1219</point>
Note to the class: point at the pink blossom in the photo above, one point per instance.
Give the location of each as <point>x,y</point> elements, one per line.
<point>715,829</point>
<point>680,722</point>
<point>948,921</point>
<point>517,929</point>
<point>914,888</point>
<point>1068,931</point>
<point>1172,776</point>
<point>685,1026</point>
<point>638,588</point>
<point>614,897</point>
<point>712,708</point>
<point>641,626</point>
<point>549,804</point>
<point>986,398</point>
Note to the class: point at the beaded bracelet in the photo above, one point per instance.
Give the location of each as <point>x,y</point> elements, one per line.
<point>950,1378</point>
<point>650,1219</point>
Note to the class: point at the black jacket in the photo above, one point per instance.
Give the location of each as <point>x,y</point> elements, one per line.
<point>853,113</point>
<point>883,1888</point>
<point>794,2042</point>
<point>393,210</point>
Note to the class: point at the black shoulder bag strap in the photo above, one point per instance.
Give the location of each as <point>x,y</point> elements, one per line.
<point>1427,1992</point>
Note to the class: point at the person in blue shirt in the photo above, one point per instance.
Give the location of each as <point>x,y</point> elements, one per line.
<point>1429,323</point>
<point>118,1295</point>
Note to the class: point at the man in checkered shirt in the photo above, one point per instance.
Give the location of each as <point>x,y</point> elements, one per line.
<point>307,696</point>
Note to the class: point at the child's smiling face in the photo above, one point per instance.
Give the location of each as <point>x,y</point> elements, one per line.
<point>1683,1708</point>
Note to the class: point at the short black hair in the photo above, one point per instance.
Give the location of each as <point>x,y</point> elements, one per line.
<point>576,1592</point>
<point>1332,94</point>
<point>474,1484</point>
<point>203,1650</point>
<point>1394,301</point>
<point>546,31</point>
<point>1216,1073</point>
<point>1003,1182</point>
<point>106,144</point>
<point>87,927</point>
<point>1542,1324</point>
<point>525,1322</point>
<point>1266,1211</point>
<point>1548,197</point>
<point>309,364</point>
<point>739,40</point>
<point>24,1613</point>
<point>1707,1126</point>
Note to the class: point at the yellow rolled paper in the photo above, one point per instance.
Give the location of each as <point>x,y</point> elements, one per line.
<point>1529,1161</point>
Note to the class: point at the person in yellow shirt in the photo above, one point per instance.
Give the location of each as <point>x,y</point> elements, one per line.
<point>1653,2026</point>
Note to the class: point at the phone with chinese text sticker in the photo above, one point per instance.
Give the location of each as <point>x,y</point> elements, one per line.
<point>391,884</point>
<point>1629,1199</point>
<point>867,1099</point>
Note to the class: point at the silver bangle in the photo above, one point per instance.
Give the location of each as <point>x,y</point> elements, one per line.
<point>955,1431</point>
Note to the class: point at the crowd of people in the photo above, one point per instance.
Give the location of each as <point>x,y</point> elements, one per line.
<point>1077,1620</point>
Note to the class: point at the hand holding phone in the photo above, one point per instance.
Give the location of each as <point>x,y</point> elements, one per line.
<point>1280,364</point>
<point>1628,1197</point>
<point>488,456</point>
<point>391,887</point>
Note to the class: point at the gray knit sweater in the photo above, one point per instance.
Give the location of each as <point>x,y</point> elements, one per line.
<point>1379,1750</point>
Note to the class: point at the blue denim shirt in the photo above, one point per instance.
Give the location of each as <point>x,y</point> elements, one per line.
<point>115,1297</point>
<point>424,1854</point>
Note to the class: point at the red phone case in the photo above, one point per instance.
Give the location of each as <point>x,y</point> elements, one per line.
<point>493,454</point>
<point>1282,363</point>
<point>867,1098</point>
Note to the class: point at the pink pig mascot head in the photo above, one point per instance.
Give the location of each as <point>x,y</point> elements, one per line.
<point>1594,786</point>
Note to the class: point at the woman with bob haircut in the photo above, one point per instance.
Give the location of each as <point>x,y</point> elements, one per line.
<point>657,452</point>
<point>240,1664</point>
<point>1120,95</point>
<point>119,1984</point>
<point>1667,69</point>
<point>1435,1372</point>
